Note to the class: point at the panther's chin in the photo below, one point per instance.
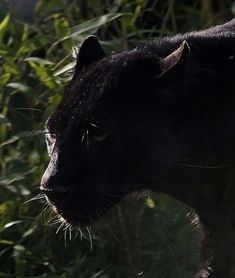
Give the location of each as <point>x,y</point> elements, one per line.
<point>78,208</point>
<point>71,218</point>
<point>78,217</point>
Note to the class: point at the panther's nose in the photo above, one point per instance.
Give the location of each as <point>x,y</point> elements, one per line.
<point>52,187</point>
<point>55,194</point>
<point>54,190</point>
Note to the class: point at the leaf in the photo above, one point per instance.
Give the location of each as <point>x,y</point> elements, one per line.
<point>65,69</point>
<point>29,232</point>
<point>9,179</point>
<point>233,8</point>
<point>5,275</point>
<point>19,87</point>
<point>4,26</point>
<point>62,29</point>
<point>96,275</point>
<point>11,67</point>
<point>61,25</point>
<point>7,242</point>
<point>39,61</point>
<point>43,74</point>
<point>150,202</point>
<point>14,138</point>
<point>6,181</point>
<point>3,208</point>
<point>93,24</point>
<point>4,120</point>
<point>18,250</point>
<point>90,26</point>
<point>10,224</point>
<point>3,52</point>
<point>25,33</point>
<point>4,78</point>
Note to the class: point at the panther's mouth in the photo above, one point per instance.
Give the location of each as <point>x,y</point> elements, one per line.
<point>77,211</point>
<point>65,214</point>
<point>71,218</point>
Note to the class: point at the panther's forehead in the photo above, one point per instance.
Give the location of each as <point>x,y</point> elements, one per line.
<point>78,100</point>
<point>73,116</point>
<point>102,82</point>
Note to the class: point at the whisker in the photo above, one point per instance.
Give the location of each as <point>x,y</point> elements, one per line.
<point>87,140</point>
<point>101,219</point>
<point>192,165</point>
<point>37,197</point>
<point>52,222</point>
<point>89,213</point>
<point>76,234</point>
<point>65,237</point>
<point>94,125</point>
<point>56,216</point>
<point>107,202</point>
<point>70,232</point>
<point>50,217</point>
<point>83,136</point>
<point>66,226</point>
<point>116,196</point>
<point>81,233</point>
<point>90,238</point>
<point>61,225</point>
<point>200,166</point>
<point>104,207</point>
<point>44,208</point>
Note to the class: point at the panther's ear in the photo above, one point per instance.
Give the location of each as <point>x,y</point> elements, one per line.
<point>89,51</point>
<point>175,62</point>
<point>173,78</point>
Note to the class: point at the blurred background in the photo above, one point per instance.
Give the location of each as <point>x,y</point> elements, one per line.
<point>147,235</point>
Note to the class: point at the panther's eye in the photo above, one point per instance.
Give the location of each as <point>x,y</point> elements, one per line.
<point>50,142</point>
<point>99,138</point>
<point>97,133</point>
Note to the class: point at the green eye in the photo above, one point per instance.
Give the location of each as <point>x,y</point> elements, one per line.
<point>98,134</point>
<point>100,137</point>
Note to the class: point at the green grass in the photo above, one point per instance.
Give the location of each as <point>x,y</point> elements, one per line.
<point>136,239</point>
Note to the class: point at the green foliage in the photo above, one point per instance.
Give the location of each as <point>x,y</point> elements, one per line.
<point>137,239</point>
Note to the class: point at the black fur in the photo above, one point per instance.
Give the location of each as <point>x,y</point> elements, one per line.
<point>162,117</point>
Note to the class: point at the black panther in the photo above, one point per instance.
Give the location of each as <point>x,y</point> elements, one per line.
<point>158,117</point>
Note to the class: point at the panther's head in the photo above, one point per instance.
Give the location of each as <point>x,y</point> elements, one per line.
<point>100,137</point>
